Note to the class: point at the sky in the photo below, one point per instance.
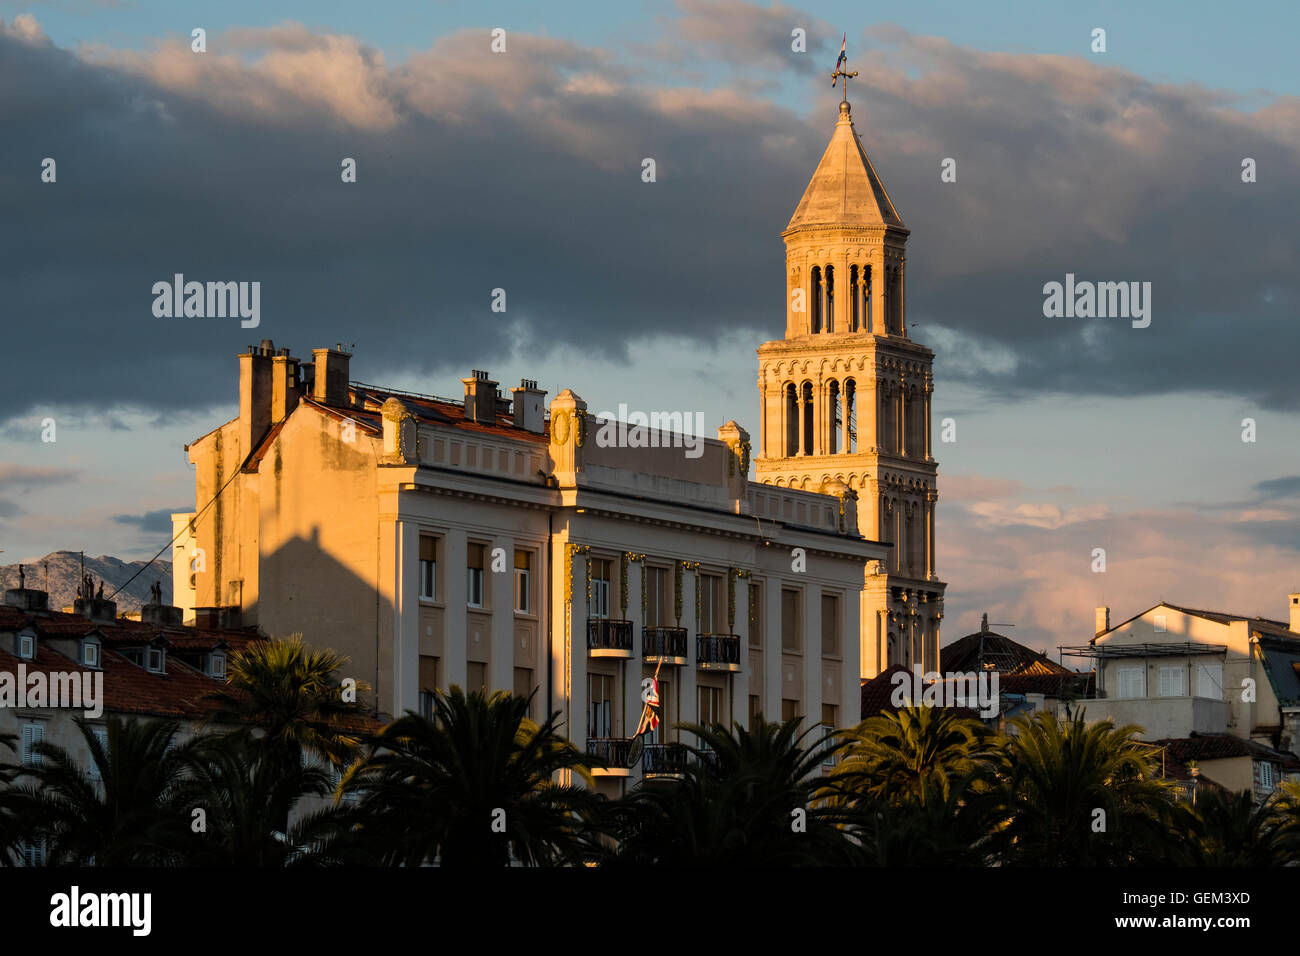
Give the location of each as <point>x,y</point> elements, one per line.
<point>522,170</point>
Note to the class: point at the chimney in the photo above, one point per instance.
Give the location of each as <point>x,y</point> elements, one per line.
<point>27,599</point>
<point>254,396</point>
<point>480,398</point>
<point>96,609</point>
<point>1103,620</point>
<point>163,615</point>
<point>285,387</point>
<point>528,406</point>
<point>330,379</point>
<point>1293,602</point>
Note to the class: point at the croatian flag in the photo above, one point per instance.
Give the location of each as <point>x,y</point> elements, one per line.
<point>835,77</point>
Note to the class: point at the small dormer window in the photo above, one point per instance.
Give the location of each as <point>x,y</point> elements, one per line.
<point>27,646</point>
<point>90,653</point>
<point>154,659</point>
<point>218,665</point>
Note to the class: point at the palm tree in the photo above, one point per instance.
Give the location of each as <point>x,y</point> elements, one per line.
<point>1229,829</point>
<point>1081,794</point>
<point>942,826</point>
<point>918,750</point>
<point>12,805</point>
<point>244,796</point>
<point>127,812</point>
<point>1287,835</point>
<point>758,800</point>
<point>472,787</point>
<point>288,691</point>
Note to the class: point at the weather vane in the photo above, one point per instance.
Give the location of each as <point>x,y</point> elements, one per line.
<point>840,71</point>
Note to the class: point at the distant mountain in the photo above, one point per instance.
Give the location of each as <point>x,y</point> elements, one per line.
<point>65,575</point>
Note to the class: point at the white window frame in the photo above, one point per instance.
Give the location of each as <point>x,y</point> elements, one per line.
<point>149,653</point>
<point>86,647</point>
<point>1168,677</point>
<point>523,584</point>
<point>600,588</point>
<point>1267,779</point>
<point>474,587</point>
<point>27,646</point>
<point>1211,674</point>
<point>218,658</point>
<point>429,573</point>
<point>1122,676</point>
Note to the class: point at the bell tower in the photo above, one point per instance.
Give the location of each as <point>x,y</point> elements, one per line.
<point>845,396</point>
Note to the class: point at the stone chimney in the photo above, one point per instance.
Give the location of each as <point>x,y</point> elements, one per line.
<point>96,609</point>
<point>164,615</point>
<point>528,406</point>
<point>254,395</point>
<point>1293,603</point>
<point>331,378</point>
<point>480,398</point>
<point>1103,620</point>
<point>285,386</point>
<point>29,599</point>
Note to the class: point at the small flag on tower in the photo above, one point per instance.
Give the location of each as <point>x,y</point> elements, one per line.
<point>835,77</point>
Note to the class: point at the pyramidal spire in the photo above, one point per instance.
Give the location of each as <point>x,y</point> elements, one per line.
<point>844,189</point>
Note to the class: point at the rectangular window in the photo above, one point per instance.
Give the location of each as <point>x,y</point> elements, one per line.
<point>600,707</point>
<point>658,598</point>
<point>667,713</point>
<point>600,570</point>
<point>1132,682</point>
<point>32,852</point>
<point>830,625</point>
<point>524,685</point>
<point>476,676</point>
<point>1267,779</point>
<point>523,575</point>
<point>789,709</point>
<point>709,706</point>
<point>830,718</point>
<point>26,646</point>
<point>791,621</point>
<point>155,660</point>
<point>90,654</point>
<point>713,613</point>
<point>428,567</point>
<point>754,709</point>
<point>33,734</point>
<point>474,565</point>
<point>101,735</point>
<point>219,666</point>
<point>1209,680</point>
<point>1171,681</point>
<point>756,626</point>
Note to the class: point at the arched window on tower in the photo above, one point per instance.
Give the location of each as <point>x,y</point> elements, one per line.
<point>791,421</point>
<point>866,300</point>
<point>808,418</point>
<point>855,297</point>
<point>850,403</point>
<point>835,416</point>
<point>815,297</point>
<point>830,299</point>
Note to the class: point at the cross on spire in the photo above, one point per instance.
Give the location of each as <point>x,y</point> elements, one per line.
<point>840,70</point>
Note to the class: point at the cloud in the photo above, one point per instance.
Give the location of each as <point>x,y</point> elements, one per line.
<point>150,522</point>
<point>1285,487</point>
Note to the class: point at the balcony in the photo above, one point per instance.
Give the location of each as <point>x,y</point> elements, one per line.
<point>664,645</point>
<point>614,753</point>
<point>664,760</point>
<point>607,637</point>
<point>717,652</point>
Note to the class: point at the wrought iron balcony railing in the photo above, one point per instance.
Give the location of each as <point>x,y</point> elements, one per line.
<point>721,651</point>
<point>612,752</point>
<point>609,635</point>
<point>664,760</point>
<point>666,643</point>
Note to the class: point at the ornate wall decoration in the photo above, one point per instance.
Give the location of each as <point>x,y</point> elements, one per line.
<point>732,574</point>
<point>570,550</point>
<point>677,591</point>
<point>560,427</point>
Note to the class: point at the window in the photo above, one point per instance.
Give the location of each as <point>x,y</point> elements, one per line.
<point>789,709</point>
<point>428,684</point>
<point>90,653</point>
<point>32,853</point>
<point>523,569</point>
<point>474,565</point>
<point>524,684</point>
<point>1131,682</point>
<point>155,660</point>
<point>790,622</point>
<point>33,734</point>
<point>709,706</point>
<point>600,708</point>
<point>599,588</point>
<point>658,597</point>
<point>667,713</point>
<point>713,613</point>
<point>26,646</point>
<point>219,665</point>
<point>755,708</point>
<point>476,677</point>
<point>830,719</point>
<point>429,567</point>
<point>830,625</point>
<point>1209,680</point>
<point>1171,681</point>
<point>756,626</point>
<point>1267,778</point>
<point>101,735</point>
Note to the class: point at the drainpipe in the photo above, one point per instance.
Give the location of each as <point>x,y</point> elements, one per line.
<point>550,610</point>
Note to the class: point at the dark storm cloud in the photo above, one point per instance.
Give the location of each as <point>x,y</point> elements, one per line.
<point>472,177</point>
<point>1272,488</point>
<point>151,522</point>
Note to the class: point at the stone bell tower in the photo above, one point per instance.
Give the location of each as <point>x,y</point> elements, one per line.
<point>845,396</point>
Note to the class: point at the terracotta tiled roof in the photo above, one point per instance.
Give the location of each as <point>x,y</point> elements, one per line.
<point>1224,746</point>
<point>971,653</point>
<point>878,691</point>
